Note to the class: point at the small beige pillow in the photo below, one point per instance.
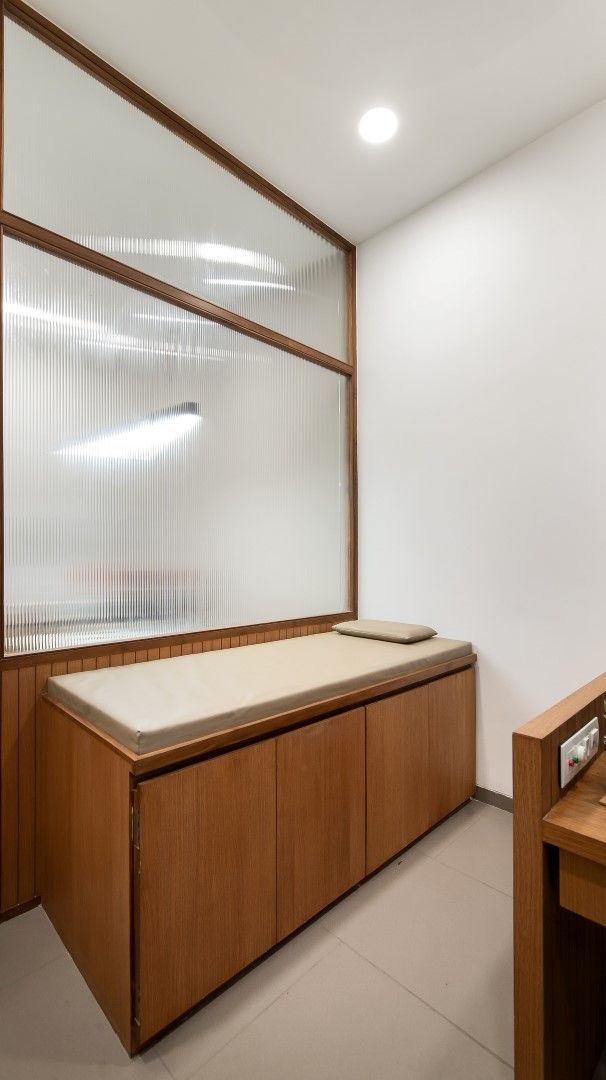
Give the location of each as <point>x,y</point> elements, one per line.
<point>405,633</point>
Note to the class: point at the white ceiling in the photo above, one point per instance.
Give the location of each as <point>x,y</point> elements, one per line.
<point>282,85</point>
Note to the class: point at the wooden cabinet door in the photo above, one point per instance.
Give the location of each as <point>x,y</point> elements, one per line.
<point>206,904</point>
<point>452,742</point>
<point>320,815</point>
<point>397,774</point>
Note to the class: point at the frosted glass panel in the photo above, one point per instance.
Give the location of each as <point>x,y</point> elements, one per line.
<point>162,473</point>
<point>81,161</point>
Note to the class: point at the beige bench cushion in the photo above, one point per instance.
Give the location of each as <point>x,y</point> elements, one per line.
<point>162,703</point>
<point>406,633</point>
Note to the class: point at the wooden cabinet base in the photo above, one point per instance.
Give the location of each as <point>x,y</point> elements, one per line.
<point>397,757</point>
<point>452,743</point>
<point>321,805</point>
<point>206,879</point>
<point>164,886</point>
<point>421,758</point>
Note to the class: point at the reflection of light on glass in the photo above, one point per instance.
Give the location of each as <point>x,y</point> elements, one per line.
<point>142,440</point>
<point>166,319</point>
<point>184,249</point>
<point>250,284</point>
<point>35,314</point>
<point>99,337</point>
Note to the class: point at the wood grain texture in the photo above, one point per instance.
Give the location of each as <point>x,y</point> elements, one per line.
<point>43,673</point>
<point>577,821</point>
<point>20,909</point>
<point>583,887</point>
<point>397,773</point>
<point>353,431</point>
<point>530,801</point>
<point>452,743</point>
<point>559,958</point>
<point>27,783</point>
<point>22,686</point>
<point>228,855</point>
<point>207,879</point>
<point>84,822</point>
<point>9,791</point>
<point>2,598</point>
<point>565,711</point>
<point>321,815</point>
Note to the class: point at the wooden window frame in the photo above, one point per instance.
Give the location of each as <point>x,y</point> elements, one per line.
<point>68,250</point>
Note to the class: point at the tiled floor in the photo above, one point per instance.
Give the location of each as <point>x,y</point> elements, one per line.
<point>408,978</point>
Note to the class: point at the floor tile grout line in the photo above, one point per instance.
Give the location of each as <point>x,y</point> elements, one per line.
<point>400,861</point>
<point>273,1001</point>
<point>433,1009</point>
<point>402,986</point>
<point>472,877</point>
<point>152,1052</point>
<point>465,829</point>
<point>34,971</point>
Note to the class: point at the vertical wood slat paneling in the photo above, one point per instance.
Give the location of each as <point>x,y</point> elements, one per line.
<point>9,791</point>
<point>43,673</point>
<point>20,695</point>
<point>27,782</point>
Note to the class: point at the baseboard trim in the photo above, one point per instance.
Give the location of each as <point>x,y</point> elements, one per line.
<point>494,798</point>
<point>10,913</point>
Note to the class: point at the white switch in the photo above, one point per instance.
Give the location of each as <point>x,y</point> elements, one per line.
<point>580,751</point>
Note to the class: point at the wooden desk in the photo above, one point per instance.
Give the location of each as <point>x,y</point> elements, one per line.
<point>559,902</point>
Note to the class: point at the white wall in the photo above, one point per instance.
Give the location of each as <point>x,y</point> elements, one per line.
<point>482,426</point>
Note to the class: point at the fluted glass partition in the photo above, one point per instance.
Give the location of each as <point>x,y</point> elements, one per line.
<point>161,473</point>
<point>82,161</point>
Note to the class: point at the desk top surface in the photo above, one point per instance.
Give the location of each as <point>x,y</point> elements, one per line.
<point>577,822</point>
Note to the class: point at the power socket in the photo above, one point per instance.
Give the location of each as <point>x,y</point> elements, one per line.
<point>578,750</point>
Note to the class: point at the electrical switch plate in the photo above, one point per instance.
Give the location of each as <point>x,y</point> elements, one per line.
<point>578,750</point>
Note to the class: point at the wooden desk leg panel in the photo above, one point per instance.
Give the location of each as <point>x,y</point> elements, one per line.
<point>560,958</point>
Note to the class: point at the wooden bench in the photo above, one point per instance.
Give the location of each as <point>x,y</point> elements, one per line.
<point>167,873</point>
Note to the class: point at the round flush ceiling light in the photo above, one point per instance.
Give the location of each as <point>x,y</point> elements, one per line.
<point>378,125</point>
